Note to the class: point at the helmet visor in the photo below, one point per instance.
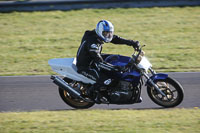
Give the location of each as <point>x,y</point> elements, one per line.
<point>108,34</point>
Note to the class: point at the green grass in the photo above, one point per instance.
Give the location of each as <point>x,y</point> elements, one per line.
<point>93,121</point>
<point>29,39</point>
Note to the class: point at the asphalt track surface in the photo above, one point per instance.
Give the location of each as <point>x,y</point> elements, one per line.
<point>33,93</point>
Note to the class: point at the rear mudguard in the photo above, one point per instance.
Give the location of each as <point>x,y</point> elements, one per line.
<point>159,76</point>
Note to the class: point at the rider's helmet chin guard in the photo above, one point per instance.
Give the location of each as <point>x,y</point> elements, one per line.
<point>105,30</point>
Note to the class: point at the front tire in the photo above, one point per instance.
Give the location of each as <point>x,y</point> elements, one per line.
<point>171,88</point>
<point>71,101</point>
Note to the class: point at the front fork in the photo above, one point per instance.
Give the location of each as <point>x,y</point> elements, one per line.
<point>151,83</point>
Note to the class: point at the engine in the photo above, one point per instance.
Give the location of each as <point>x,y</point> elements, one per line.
<point>122,93</point>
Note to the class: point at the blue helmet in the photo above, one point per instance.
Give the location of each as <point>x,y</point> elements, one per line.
<point>105,30</point>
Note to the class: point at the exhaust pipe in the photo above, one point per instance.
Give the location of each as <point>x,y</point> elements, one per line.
<point>64,85</point>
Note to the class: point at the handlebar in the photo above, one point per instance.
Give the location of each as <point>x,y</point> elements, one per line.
<point>140,48</point>
<point>139,51</point>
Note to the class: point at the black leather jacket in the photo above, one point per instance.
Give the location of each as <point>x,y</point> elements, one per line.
<point>90,50</point>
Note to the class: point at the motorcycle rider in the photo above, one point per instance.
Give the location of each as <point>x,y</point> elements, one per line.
<point>89,59</point>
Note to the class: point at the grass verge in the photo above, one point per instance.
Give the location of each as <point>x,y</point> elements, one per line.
<point>29,39</point>
<point>116,121</point>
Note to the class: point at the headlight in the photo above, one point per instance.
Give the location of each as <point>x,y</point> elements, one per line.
<point>139,59</point>
<point>142,53</point>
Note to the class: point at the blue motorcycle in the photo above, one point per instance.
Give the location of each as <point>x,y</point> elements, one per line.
<point>126,89</point>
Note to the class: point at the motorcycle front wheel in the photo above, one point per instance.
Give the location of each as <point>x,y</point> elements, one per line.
<point>71,101</point>
<point>172,89</point>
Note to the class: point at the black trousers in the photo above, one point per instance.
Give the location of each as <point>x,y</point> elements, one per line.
<point>94,74</point>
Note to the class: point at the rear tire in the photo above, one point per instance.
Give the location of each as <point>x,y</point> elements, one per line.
<point>71,101</point>
<point>171,88</point>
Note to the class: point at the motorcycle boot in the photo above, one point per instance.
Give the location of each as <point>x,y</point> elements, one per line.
<point>96,95</point>
<point>92,92</point>
<point>99,98</point>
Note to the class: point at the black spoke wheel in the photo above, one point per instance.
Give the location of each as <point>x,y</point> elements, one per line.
<point>172,89</point>
<point>71,101</point>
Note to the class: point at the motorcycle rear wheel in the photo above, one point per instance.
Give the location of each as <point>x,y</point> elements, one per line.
<point>71,101</point>
<point>171,88</point>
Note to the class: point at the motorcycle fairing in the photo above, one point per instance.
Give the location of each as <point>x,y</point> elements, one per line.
<point>67,68</point>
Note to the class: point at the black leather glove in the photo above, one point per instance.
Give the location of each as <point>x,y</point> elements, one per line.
<point>135,44</point>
